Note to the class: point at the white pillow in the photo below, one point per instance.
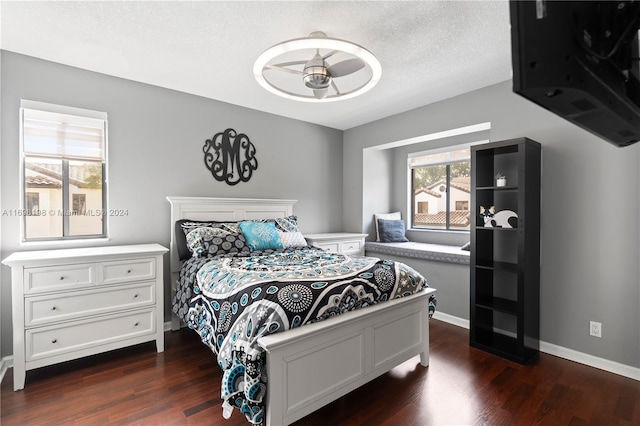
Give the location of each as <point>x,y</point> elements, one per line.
<point>292,239</point>
<point>386,216</point>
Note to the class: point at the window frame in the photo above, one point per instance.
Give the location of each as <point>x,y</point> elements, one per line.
<point>411,196</point>
<point>82,114</point>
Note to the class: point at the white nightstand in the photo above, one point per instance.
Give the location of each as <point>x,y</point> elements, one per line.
<point>76,302</point>
<point>340,242</point>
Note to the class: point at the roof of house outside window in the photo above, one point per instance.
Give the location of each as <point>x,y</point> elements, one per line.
<point>457,218</point>
<point>50,175</point>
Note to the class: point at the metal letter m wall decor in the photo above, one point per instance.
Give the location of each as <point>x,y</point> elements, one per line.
<point>230,156</point>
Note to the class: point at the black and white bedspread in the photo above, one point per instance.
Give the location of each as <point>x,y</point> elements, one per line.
<point>233,300</point>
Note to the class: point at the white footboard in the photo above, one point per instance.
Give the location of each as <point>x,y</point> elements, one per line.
<point>314,365</point>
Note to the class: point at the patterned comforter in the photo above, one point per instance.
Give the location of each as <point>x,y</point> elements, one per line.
<point>233,300</point>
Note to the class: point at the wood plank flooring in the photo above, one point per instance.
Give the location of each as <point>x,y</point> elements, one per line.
<point>462,386</point>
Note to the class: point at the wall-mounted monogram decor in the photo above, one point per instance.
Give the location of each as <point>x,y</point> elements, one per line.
<point>230,156</point>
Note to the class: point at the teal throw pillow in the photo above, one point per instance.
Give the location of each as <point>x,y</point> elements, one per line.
<point>261,235</point>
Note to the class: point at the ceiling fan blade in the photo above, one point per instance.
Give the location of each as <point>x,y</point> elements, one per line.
<point>278,68</point>
<point>346,67</point>
<point>288,64</point>
<point>330,54</point>
<point>321,93</point>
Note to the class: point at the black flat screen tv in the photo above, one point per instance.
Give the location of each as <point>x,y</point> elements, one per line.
<point>579,60</point>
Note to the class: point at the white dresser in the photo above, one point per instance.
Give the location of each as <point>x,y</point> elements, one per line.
<point>340,242</point>
<point>72,303</point>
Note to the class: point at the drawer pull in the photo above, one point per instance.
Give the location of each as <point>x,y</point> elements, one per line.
<point>54,341</point>
<point>128,271</point>
<point>61,277</point>
<point>136,324</point>
<point>53,308</point>
<point>135,296</point>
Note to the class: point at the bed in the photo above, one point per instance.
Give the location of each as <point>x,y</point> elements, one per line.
<point>291,366</point>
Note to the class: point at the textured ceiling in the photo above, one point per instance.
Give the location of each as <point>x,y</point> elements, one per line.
<point>429,50</point>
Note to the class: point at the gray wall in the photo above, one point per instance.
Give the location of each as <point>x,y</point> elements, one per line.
<point>590,221</point>
<point>155,149</point>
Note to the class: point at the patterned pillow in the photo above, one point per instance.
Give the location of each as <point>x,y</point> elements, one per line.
<point>292,239</point>
<point>261,235</point>
<point>190,225</point>
<point>285,224</point>
<point>184,226</point>
<point>214,239</point>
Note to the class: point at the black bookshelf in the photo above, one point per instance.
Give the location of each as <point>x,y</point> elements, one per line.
<point>505,260</point>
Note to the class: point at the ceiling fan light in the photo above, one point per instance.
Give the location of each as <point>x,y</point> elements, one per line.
<point>316,77</point>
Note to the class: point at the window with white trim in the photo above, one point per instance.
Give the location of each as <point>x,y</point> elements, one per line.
<point>441,189</point>
<point>63,174</point>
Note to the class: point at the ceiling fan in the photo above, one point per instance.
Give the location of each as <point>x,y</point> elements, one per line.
<point>317,73</point>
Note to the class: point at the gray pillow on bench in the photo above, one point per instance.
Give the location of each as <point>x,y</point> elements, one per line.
<point>391,231</point>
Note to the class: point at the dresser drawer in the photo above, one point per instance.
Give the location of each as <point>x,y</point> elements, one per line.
<point>46,342</point>
<point>127,270</point>
<point>54,278</point>
<point>40,310</point>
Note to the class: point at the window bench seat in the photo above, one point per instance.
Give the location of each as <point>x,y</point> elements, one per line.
<point>424,251</point>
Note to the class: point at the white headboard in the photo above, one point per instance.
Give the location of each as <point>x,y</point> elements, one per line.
<point>222,209</point>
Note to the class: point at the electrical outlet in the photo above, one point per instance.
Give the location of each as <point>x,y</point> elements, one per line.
<point>595,328</point>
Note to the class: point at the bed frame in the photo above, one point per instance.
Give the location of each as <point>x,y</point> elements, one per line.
<point>311,366</point>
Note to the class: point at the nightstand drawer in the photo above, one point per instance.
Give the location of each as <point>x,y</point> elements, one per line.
<point>46,342</point>
<point>339,242</point>
<point>56,278</point>
<point>41,310</point>
<point>351,246</point>
<point>332,247</point>
<point>125,271</point>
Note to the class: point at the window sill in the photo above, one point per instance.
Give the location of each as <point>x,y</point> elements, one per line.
<point>439,231</point>
<point>439,236</point>
<point>63,243</point>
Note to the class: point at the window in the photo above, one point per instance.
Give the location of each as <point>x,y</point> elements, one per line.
<point>441,189</point>
<point>63,172</point>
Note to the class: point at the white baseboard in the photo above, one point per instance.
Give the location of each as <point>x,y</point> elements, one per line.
<point>593,361</point>
<point>562,352</point>
<point>460,322</point>
<point>5,363</point>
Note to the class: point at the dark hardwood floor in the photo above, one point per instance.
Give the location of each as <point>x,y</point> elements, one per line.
<point>462,386</point>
